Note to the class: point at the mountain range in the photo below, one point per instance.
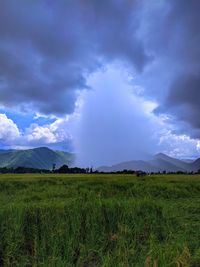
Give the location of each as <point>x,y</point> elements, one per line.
<point>39,158</point>
<point>44,158</point>
<point>158,163</point>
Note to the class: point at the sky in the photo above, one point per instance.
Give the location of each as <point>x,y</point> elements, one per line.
<point>108,80</point>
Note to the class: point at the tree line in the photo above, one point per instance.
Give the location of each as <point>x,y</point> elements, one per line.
<point>66,169</point>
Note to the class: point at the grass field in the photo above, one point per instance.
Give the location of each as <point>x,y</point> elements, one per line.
<point>99,220</point>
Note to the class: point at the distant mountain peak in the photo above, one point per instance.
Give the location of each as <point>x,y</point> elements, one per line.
<point>159,163</point>
<point>161,155</point>
<point>39,158</point>
<point>41,148</point>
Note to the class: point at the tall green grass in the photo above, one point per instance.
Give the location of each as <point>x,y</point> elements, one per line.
<point>99,220</point>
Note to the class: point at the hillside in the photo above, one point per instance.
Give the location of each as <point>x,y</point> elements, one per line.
<point>158,163</point>
<point>40,158</point>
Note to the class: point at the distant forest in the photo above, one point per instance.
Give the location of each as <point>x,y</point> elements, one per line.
<point>66,169</point>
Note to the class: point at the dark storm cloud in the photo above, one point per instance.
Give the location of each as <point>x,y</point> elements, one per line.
<point>183,99</point>
<point>175,43</point>
<point>48,48</point>
<point>187,22</point>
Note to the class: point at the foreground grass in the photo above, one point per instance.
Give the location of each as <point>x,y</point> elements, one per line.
<point>99,220</point>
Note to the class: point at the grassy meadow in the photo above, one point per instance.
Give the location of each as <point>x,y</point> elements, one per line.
<point>91,220</point>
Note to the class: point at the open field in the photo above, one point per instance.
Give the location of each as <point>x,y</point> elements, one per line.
<point>99,220</point>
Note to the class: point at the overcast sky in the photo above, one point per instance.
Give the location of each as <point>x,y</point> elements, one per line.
<point>110,80</point>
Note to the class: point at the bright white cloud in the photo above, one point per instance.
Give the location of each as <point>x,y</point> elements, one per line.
<point>180,146</point>
<point>35,135</point>
<point>49,133</point>
<point>40,133</point>
<point>8,130</point>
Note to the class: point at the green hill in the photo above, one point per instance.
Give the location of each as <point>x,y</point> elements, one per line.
<point>40,158</point>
